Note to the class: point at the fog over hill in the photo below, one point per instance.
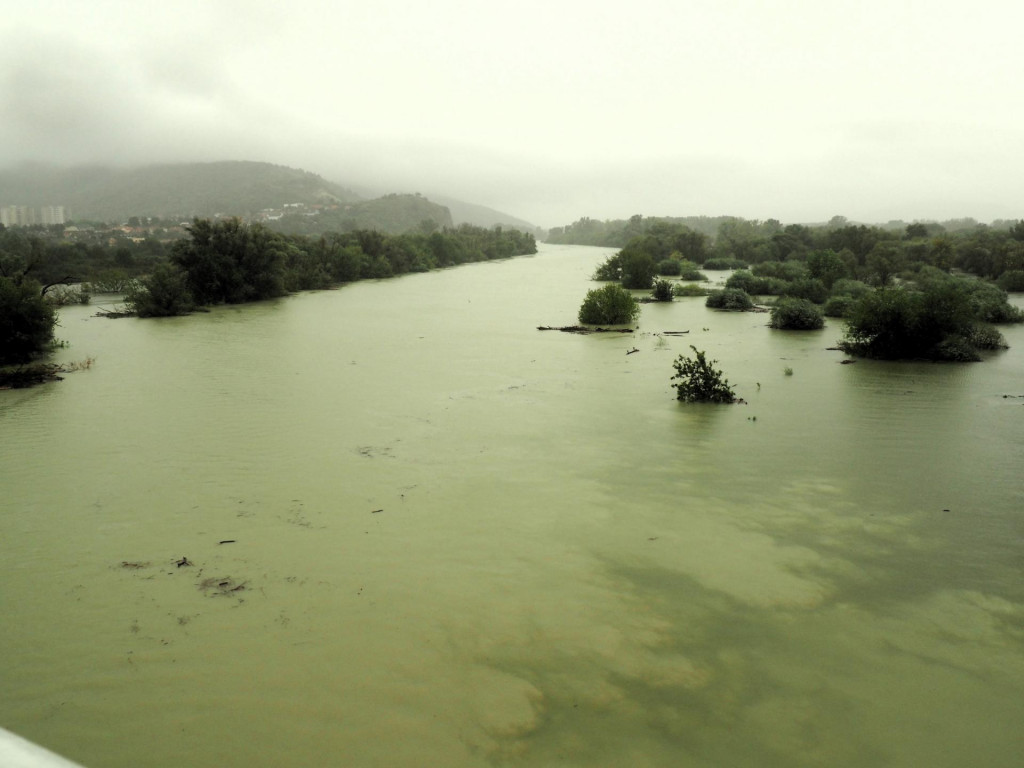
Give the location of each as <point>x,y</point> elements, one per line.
<point>876,111</point>
<point>231,188</point>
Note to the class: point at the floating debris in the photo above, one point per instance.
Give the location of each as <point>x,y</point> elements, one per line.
<point>224,585</point>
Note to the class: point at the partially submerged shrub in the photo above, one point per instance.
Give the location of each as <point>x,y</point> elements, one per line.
<point>698,381</point>
<point>662,290</point>
<point>689,271</point>
<point>609,305</point>
<point>790,314</point>
<point>729,298</point>
<point>754,285</point>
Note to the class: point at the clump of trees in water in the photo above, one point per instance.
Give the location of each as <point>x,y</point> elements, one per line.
<point>230,262</point>
<point>937,317</point>
<point>609,305</point>
<point>918,291</point>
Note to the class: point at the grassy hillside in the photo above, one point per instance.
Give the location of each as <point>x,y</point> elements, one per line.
<point>180,190</point>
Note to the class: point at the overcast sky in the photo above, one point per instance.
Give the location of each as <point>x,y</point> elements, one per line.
<point>546,109</point>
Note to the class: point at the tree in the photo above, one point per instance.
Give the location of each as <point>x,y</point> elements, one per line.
<point>791,314</point>
<point>609,305</point>
<point>26,320</point>
<point>943,320</point>
<point>231,262</point>
<point>163,294</point>
<point>826,266</point>
<point>698,381</point>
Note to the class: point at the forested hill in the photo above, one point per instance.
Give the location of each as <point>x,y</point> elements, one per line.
<point>392,214</point>
<point>182,190</point>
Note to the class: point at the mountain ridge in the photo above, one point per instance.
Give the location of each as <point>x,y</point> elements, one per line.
<point>202,189</point>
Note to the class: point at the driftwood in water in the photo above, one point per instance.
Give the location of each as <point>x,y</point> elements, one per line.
<point>582,329</point>
<point>674,333</point>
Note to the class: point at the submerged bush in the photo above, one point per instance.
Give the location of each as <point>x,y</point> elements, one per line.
<point>610,305</point>
<point>689,271</point>
<point>791,314</point>
<point>662,290</point>
<point>698,381</point>
<point>729,298</point>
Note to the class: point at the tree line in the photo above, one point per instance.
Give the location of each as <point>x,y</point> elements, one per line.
<point>871,253</point>
<point>902,297</point>
<point>230,262</point>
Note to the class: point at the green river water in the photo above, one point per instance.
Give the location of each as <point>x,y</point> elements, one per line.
<point>460,541</point>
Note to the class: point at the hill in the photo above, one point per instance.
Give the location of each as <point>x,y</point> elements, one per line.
<point>393,214</point>
<point>182,190</point>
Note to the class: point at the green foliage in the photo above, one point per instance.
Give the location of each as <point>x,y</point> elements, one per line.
<point>669,268</point>
<point>638,267</point>
<point>729,298</point>
<point>838,306</point>
<point>231,262</point>
<point>940,320</point>
<point>610,270</point>
<point>782,270</point>
<point>163,294</point>
<point>853,288</point>
<point>609,305</point>
<point>698,381</point>
<point>827,266</point>
<point>662,290</point>
<point>793,314</point>
<point>689,271</point>
<point>26,320</point>
<point>754,285</point>
<point>688,289</point>
<point>808,288</point>
<point>722,264</point>
<point>1012,280</point>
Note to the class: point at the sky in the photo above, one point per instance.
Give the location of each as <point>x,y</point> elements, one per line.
<point>547,110</point>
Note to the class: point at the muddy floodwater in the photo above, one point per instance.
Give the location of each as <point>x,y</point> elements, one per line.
<point>396,525</point>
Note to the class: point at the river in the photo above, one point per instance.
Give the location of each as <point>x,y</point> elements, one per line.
<point>394,524</point>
